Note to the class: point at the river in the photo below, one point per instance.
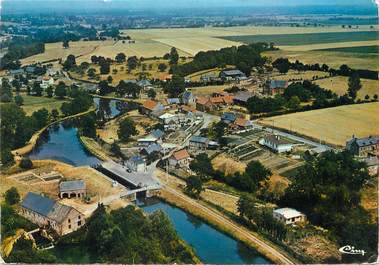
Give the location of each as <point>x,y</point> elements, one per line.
<point>61,143</point>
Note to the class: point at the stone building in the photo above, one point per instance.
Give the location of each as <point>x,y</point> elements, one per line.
<point>363,146</point>
<point>72,188</point>
<point>48,213</point>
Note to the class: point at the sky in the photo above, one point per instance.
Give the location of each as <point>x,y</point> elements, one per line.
<point>154,4</point>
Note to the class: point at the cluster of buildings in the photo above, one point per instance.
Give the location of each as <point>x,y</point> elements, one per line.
<point>367,150</point>
<point>51,214</point>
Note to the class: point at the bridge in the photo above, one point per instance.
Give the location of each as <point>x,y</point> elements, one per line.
<point>137,182</point>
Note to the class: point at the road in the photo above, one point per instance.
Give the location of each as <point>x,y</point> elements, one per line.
<point>230,225</point>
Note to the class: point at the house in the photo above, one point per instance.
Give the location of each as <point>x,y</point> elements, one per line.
<point>242,124</point>
<point>274,87</point>
<point>168,118</point>
<point>136,164</point>
<point>198,142</point>
<point>179,159</point>
<point>210,77</point>
<point>145,84</point>
<point>288,215</point>
<point>17,71</point>
<point>372,165</point>
<point>204,104</point>
<point>363,146</point>
<point>47,81</point>
<point>228,117</point>
<point>242,97</point>
<point>30,69</point>
<point>232,74</point>
<point>157,133</point>
<point>188,98</point>
<point>72,188</point>
<point>148,150</point>
<point>172,101</point>
<point>276,143</point>
<point>151,107</point>
<point>46,212</point>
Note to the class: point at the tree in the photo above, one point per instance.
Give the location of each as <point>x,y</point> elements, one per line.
<point>18,100</point>
<point>88,126</point>
<point>54,114</point>
<point>162,67</point>
<point>12,196</point>
<point>255,174</point>
<point>104,67</point>
<point>94,59</point>
<point>294,102</point>
<point>194,186</point>
<point>16,84</point>
<point>40,117</point>
<point>70,62</point>
<point>49,91</point>
<point>26,163</point>
<point>120,57</point>
<point>202,165</point>
<point>109,79</point>
<point>103,88</point>
<point>37,89</point>
<point>91,73</point>
<point>66,44</point>
<point>6,91</point>
<point>7,157</point>
<point>367,97</point>
<point>60,90</point>
<point>376,97</point>
<point>246,207</point>
<point>354,85</point>
<point>151,93</point>
<point>126,130</point>
<point>132,63</point>
<point>174,56</point>
<point>175,86</point>
<point>282,64</point>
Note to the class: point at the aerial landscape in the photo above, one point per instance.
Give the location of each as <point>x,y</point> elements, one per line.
<point>190,132</point>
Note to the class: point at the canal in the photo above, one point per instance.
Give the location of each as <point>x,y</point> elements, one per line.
<point>62,143</point>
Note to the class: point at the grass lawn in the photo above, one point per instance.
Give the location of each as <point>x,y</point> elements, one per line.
<point>32,103</point>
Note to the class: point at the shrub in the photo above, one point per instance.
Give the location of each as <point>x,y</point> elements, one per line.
<point>26,163</point>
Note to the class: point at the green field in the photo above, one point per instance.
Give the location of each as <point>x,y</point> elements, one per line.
<point>308,38</point>
<point>33,103</point>
<point>360,49</point>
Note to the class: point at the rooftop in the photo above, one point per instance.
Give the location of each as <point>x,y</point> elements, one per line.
<point>136,160</point>
<point>276,139</point>
<point>157,133</point>
<point>228,116</point>
<point>288,212</point>
<point>150,104</point>
<point>243,96</point>
<point>366,141</point>
<point>72,185</point>
<point>278,84</point>
<point>199,139</point>
<point>233,72</point>
<point>180,155</point>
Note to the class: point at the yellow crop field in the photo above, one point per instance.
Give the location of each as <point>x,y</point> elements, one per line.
<point>331,125</point>
<point>339,85</point>
<point>196,44</point>
<point>333,59</point>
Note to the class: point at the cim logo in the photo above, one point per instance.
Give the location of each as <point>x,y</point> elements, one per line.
<point>351,250</point>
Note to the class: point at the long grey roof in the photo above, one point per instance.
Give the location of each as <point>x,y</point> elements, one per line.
<point>367,141</point>
<point>72,185</point>
<point>278,83</point>
<point>199,139</point>
<point>38,203</point>
<point>243,96</point>
<point>233,72</point>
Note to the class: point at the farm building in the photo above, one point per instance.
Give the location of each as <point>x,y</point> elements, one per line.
<point>288,215</point>
<point>204,104</point>
<point>198,142</point>
<point>179,159</point>
<point>72,188</point>
<point>172,101</point>
<point>157,133</point>
<point>146,151</point>
<point>228,117</point>
<point>168,118</point>
<point>242,124</point>
<point>232,74</point>
<point>145,84</point>
<point>47,81</point>
<point>136,164</point>
<point>276,143</point>
<point>151,107</point>
<point>363,146</point>
<point>241,97</point>
<point>148,140</point>
<point>46,212</point>
<point>273,87</point>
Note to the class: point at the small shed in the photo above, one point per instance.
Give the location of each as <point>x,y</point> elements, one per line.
<point>72,188</point>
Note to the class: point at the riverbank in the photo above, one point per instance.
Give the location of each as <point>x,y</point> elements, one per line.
<point>94,148</point>
<point>224,224</point>
<point>34,139</point>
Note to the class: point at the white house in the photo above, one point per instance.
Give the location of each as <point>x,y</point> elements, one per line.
<point>168,118</point>
<point>276,143</point>
<point>47,81</point>
<point>288,215</point>
<point>179,159</point>
<point>136,164</point>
